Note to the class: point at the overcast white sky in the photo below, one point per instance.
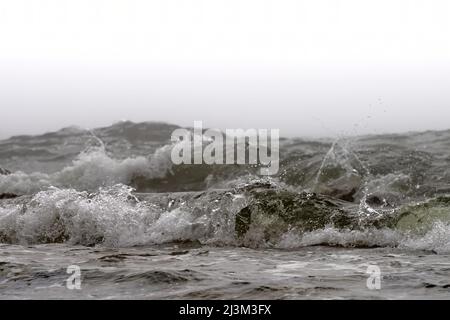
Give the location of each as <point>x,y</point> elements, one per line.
<point>312,67</point>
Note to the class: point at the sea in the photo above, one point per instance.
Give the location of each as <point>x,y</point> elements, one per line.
<point>105,214</point>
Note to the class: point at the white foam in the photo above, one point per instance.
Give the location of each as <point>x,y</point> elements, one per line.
<point>91,170</point>
<point>437,239</point>
<point>345,238</point>
<point>112,217</point>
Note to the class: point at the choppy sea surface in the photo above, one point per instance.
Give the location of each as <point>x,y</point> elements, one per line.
<point>110,201</point>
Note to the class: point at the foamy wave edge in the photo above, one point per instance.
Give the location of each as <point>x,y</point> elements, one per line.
<point>114,217</point>
<point>91,170</point>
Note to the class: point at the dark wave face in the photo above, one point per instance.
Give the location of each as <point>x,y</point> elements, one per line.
<point>117,186</point>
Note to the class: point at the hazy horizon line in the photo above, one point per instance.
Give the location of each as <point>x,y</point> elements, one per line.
<point>301,136</point>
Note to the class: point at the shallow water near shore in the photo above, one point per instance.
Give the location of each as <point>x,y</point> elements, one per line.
<point>202,272</point>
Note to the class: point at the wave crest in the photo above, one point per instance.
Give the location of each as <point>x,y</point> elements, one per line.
<point>91,170</point>
<point>115,217</point>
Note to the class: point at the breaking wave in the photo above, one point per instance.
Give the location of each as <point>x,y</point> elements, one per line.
<point>437,239</point>
<point>383,191</point>
<point>91,170</point>
<point>114,217</point>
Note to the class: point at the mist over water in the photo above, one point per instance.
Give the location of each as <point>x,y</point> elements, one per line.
<point>307,68</point>
<point>313,102</point>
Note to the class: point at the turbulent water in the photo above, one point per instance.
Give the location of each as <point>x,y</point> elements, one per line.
<point>110,201</point>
